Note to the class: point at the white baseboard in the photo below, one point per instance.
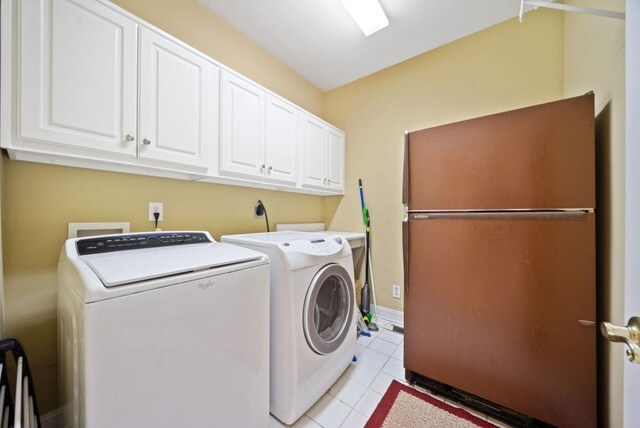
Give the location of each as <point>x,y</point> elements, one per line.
<point>393,316</point>
<point>51,419</point>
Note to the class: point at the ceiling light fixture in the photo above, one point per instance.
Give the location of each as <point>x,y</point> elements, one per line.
<point>368,14</point>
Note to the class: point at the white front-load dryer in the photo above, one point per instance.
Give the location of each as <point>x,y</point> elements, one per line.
<point>312,326</point>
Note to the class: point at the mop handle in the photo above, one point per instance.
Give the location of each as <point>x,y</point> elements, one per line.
<point>366,260</point>
<point>365,214</point>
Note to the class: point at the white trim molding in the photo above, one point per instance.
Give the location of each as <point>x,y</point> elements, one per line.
<point>392,316</point>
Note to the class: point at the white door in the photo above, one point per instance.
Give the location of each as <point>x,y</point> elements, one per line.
<point>335,160</point>
<point>78,63</point>
<point>632,226</point>
<point>630,392</point>
<point>313,152</point>
<point>282,141</point>
<point>178,92</point>
<point>241,128</point>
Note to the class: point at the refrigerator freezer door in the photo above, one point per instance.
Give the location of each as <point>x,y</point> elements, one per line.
<point>504,309</point>
<point>540,157</point>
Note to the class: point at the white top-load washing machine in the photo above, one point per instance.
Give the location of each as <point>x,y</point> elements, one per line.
<point>165,329</point>
<point>313,332</point>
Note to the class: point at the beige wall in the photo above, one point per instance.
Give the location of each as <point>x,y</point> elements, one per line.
<point>507,66</point>
<point>39,200</point>
<point>595,60</point>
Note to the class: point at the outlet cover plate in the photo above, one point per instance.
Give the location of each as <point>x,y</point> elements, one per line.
<point>156,207</point>
<point>395,291</point>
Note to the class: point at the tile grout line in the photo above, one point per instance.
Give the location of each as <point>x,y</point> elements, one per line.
<point>370,340</point>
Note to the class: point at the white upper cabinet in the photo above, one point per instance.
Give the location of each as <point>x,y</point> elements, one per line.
<point>241,127</point>
<point>260,133</point>
<point>313,152</point>
<point>177,117</point>
<point>78,75</point>
<point>335,159</point>
<point>85,83</point>
<point>82,95</point>
<point>322,156</point>
<point>282,144</point>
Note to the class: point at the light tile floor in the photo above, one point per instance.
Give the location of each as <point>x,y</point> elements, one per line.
<point>355,395</point>
<point>352,399</point>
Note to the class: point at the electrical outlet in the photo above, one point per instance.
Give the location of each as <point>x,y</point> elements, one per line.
<point>258,212</point>
<point>395,292</point>
<point>156,207</point>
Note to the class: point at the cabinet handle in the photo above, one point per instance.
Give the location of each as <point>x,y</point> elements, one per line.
<point>262,167</point>
<point>129,137</point>
<point>146,142</point>
<point>270,168</point>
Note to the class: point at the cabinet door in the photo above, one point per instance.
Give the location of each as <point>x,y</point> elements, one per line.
<point>77,67</point>
<point>335,159</point>
<point>313,152</point>
<point>282,141</point>
<point>242,128</point>
<point>177,92</point>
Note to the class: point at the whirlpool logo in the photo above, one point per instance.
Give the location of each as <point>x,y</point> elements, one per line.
<point>206,284</point>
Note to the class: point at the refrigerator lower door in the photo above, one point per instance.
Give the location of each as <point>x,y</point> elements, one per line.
<point>503,307</point>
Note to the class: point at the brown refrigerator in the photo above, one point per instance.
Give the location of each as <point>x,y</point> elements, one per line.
<point>499,258</point>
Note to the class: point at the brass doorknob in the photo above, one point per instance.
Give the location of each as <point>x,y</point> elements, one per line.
<point>629,334</point>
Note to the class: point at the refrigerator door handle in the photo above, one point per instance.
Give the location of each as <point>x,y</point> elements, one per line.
<point>502,215</point>
<point>405,254</point>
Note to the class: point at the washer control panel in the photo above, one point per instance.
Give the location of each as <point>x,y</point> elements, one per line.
<point>318,246</point>
<point>109,243</point>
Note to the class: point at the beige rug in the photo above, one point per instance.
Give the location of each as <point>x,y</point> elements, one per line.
<point>405,407</point>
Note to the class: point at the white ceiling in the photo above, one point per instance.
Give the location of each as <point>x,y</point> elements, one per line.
<point>320,41</point>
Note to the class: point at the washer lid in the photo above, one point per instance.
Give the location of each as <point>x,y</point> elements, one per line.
<point>126,267</point>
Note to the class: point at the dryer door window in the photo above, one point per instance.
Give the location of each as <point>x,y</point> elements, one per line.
<point>328,309</point>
